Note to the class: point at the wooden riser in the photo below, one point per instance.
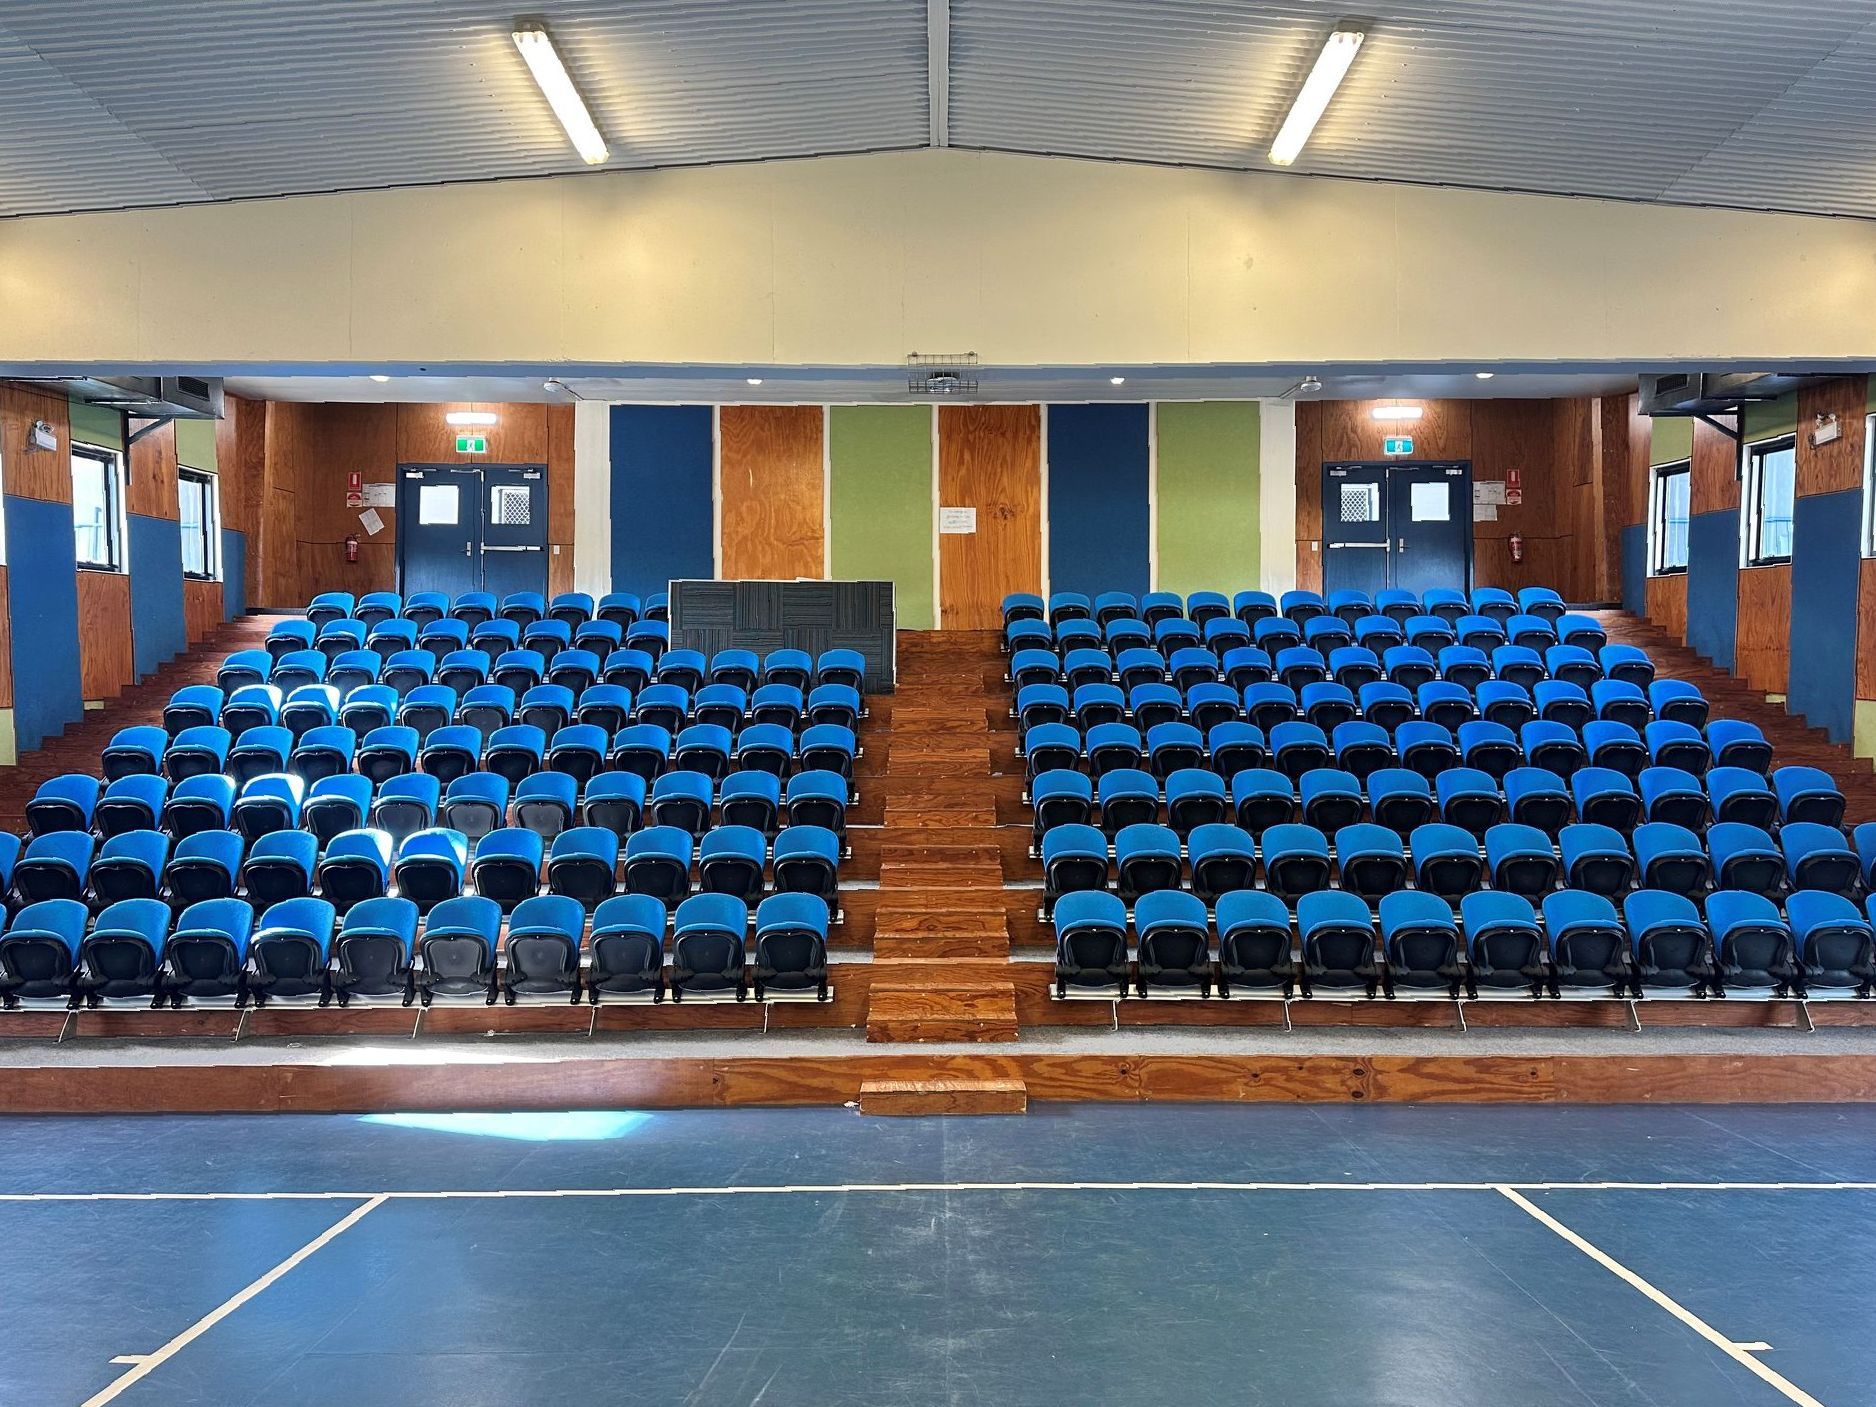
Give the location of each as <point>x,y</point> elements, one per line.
<point>913,1097</point>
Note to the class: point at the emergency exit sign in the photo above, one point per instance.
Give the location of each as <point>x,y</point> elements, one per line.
<point>1393,444</point>
<point>479,444</point>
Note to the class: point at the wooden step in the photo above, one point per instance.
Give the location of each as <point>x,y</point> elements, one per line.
<point>911,1097</point>
<point>986,943</point>
<point>904,1012</point>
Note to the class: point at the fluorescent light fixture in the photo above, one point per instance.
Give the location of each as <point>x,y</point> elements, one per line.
<point>1396,412</point>
<point>543,61</point>
<point>1117,381</point>
<point>754,380</point>
<point>379,379</point>
<point>471,417</point>
<point>1338,52</point>
<point>1485,375</point>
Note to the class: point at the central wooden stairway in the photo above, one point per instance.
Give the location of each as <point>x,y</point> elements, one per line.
<point>941,942</point>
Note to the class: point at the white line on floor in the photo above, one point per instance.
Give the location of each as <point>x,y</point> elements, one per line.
<point>835,1188</point>
<point>1739,1352</point>
<point>149,1363</point>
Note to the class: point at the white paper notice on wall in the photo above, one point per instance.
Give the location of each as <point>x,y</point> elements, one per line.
<point>379,496</point>
<point>1490,491</point>
<point>371,522</point>
<point>957,520</point>
<point>1485,512</point>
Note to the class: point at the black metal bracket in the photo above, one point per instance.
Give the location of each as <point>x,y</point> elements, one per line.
<point>156,424</point>
<point>1734,432</point>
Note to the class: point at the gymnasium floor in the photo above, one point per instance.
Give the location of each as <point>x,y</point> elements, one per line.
<point>1295,1255</point>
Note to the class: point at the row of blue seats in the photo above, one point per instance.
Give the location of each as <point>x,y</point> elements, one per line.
<point>1328,702</point>
<point>1298,606</point>
<point>429,865</point>
<point>362,707</point>
<point>1295,858</point>
<point>1324,634</point>
<point>516,751</point>
<point>475,802</point>
<point>1657,942</point>
<point>473,607</point>
<point>574,668</point>
<point>1352,666</point>
<point>217,949</point>
<point>1361,747</point>
<point>1401,799</point>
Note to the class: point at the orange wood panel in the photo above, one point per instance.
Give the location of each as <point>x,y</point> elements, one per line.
<point>772,491</point>
<point>274,554</point>
<point>990,459</point>
<point>6,642</point>
<point>1666,603</point>
<point>1762,648</point>
<point>105,661</point>
<point>35,473</point>
<point>1715,475</point>
<point>1350,431</point>
<point>560,504</point>
<point>151,492</point>
<point>1866,630</point>
<point>239,448</point>
<point>1838,465</point>
<point>251,456</point>
<point>518,436</point>
<point>201,608</point>
<point>343,438</point>
<point>1309,418</point>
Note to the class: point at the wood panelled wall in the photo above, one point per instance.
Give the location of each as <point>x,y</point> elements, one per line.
<point>772,486</point>
<point>35,473</point>
<point>151,490</point>
<point>306,451</point>
<point>1568,452</point>
<point>990,459</point>
<point>105,661</point>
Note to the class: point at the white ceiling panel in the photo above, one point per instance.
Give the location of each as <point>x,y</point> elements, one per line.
<point>1761,104</point>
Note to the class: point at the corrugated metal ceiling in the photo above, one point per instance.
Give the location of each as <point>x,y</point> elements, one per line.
<point>1752,103</point>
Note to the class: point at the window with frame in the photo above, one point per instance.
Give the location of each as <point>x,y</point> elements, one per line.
<point>199,501</point>
<point>97,508</point>
<point>1669,501</point>
<point>1771,489</point>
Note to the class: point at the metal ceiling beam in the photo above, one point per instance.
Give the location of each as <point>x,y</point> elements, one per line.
<point>938,69</point>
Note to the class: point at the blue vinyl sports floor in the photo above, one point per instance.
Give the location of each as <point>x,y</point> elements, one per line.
<point>1294,1255</point>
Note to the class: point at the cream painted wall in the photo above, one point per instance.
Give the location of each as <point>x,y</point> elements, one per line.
<point>854,261</point>
<point>1276,497</point>
<point>592,498</point>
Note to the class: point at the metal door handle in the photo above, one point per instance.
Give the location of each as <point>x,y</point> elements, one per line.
<point>491,547</point>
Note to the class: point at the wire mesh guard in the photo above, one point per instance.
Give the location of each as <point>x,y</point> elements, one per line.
<point>941,374</point>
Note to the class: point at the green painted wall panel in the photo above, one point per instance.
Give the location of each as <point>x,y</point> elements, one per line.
<point>880,502</point>
<point>1671,439</point>
<point>94,425</point>
<point>1208,482</point>
<point>195,444</point>
<point>1767,419</point>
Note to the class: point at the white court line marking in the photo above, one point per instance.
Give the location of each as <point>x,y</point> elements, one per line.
<point>1739,1352</point>
<point>149,1363</point>
<point>830,1188</point>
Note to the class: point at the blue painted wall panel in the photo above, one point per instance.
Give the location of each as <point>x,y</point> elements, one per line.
<point>1713,584</point>
<point>158,632</point>
<point>1099,522</point>
<point>1635,569</point>
<point>234,574</point>
<point>43,583</point>
<point>663,521</point>
<point>1825,567</point>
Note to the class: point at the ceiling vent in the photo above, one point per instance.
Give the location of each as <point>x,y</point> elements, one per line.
<point>948,374</point>
<point>1716,393</point>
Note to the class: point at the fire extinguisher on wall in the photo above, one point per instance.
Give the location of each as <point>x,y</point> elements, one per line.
<point>351,547</point>
<point>1515,543</point>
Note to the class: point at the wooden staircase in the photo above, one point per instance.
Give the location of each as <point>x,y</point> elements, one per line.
<point>1793,741</point>
<point>79,746</point>
<point>941,943</point>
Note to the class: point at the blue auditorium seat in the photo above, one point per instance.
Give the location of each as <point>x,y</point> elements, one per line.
<point>1596,859</point>
<point>609,706</point>
<point>368,708</point>
<point>685,668</point>
<point>1736,743</point>
<point>629,669</point>
<point>376,607</point>
<point>1521,859</point>
<point>56,865</point>
<point>1338,942</point>
<point>129,804</point>
<point>1807,794</point>
<point>122,956</point>
<point>1616,746</point>
<point>426,708</point>
<point>1562,702</point>
<point>817,798</point>
<point>128,866</point>
<point>405,804</point>
<point>1362,748</point>
<point>242,668</point>
<point>1504,945</point>
<point>198,803</point>
<point>1329,798</point>
<point>1224,858</point>
<point>294,670</point>
<point>1626,664</point>
<point>1832,938</point>
<point>457,948</point>
<point>1262,797</point>
<point>1671,946</point>
<point>1421,941</point>
<point>1589,946</point>
<point>1745,857</point>
<point>1174,943</point>
<point>385,753</point>
<point>1090,942</point>
<point>1752,944</point>
<point>1146,858</point>
<point>657,862</point>
<point>542,951</point>
<point>1489,747</point>
<point>1296,861</point>
<point>39,951</point>
<point>1507,704</point>
<point>620,607</point>
<point>1255,943</point>
<point>202,866</point>
<point>1520,665</point>
<point>745,798</point>
<point>1740,794</point>
<point>515,752</point>
<point>730,860</point>
<point>1552,746</point>
<point>627,946</point>
<point>791,945</point>
<point>354,669</point>
<point>1109,745</point>
<point>1670,794</point>
<point>193,706</point>
<point>1819,857</point>
<point>1247,665</point>
<point>329,606</point>
<point>1426,747</point>
<point>1127,796</point>
<point>794,668</point>
<point>430,865</point>
<point>488,707</point>
<point>1194,797</point>
<point>134,752</point>
<point>1397,605</point>
<point>422,607</point>
<point>279,866</point>
<point>475,804</point>
<point>806,860</point>
<point>1671,857</point>
<point>1296,748</point>
<point>63,803</point>
<point>322,752</point>
<point>708,953</point>
<point>779,705</point>
<point>579,751</point>
<point>1074,858</point>
<point>1675,700</point>
<point>1605,797</point>
<point>1371,859</point>
<point>356,866</point>
<point>643,749</point>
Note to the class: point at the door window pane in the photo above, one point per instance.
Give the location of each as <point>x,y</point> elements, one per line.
<point>438,505</point>
<point>1431,503</point>
<point>1361,503</point>
<point>510,505</point>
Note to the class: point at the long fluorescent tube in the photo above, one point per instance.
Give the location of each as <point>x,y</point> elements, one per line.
<point>471,417</point>
<point>1338,52</point>
<point>543,61</point>
<point>1396,412</point>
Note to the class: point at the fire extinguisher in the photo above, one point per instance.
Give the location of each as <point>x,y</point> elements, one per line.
<point>1515,543</point>
<point>351,547</point>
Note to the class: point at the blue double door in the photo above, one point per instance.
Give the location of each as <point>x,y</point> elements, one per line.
<point>1405,525</point>
<point>480,527</point>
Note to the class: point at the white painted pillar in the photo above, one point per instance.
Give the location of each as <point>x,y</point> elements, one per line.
<point>1276,496</point>
<point>592,498</point>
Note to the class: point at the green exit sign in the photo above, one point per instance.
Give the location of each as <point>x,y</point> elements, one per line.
<point>479,444</point>
<point>1393,444</point>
